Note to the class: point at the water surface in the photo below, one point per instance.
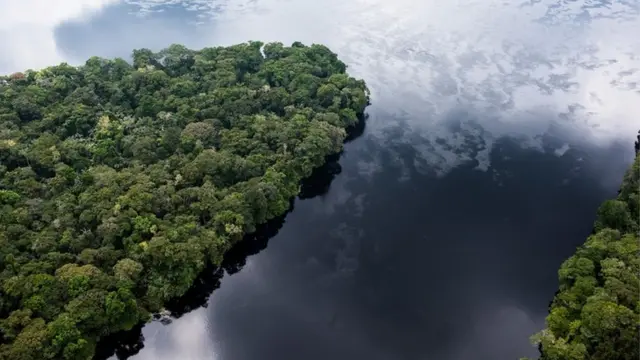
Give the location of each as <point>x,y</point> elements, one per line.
<point>400,264</point>
<point>496,130</point>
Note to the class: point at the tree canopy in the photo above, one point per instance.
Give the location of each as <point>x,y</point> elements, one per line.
<point>120,181</point>
<point>595,315</point>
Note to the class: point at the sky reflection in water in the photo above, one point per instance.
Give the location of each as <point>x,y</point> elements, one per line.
<point>496,129</point>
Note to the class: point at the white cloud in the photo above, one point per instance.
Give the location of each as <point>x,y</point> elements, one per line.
<point>514,67</point>
<point>522,67</point>
<point>27,30</point>
<point>187,340</point>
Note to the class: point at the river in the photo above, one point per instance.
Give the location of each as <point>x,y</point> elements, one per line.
<point>495,131</point>
<point>397,265</point>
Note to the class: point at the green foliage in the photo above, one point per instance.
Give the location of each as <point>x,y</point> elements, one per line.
<point>119,182</point>
<point>615,214</point>
<point>596,313</point>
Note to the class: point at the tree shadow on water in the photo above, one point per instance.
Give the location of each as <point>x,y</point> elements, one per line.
<point>319,182</point>
<point>126,344</point>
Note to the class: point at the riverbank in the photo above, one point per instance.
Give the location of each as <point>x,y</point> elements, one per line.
<point>121,182</point>
<point>595,313</point>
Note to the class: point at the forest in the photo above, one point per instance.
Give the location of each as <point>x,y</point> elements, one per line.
<point>120,181</point>
<point>595,314</point>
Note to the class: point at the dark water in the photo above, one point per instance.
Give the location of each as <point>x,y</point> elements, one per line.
<point>397,249</point>
<point>398,264</point>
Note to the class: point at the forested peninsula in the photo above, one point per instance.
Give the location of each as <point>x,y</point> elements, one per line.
<point>120,182</point>
<point>595,314</point>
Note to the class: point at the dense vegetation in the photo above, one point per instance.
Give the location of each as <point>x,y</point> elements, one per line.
<point>119,182</point>
<point>596,313</point>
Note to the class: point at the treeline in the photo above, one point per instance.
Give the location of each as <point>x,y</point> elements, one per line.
<point>595,315</point>
<point>119,182</point>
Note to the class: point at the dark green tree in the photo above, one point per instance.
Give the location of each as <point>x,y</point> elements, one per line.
<point>596,313</point>
<point>119,182</point>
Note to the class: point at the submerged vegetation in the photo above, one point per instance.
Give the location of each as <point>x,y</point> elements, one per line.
<point>596,313</point>
<point>119,182</point>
